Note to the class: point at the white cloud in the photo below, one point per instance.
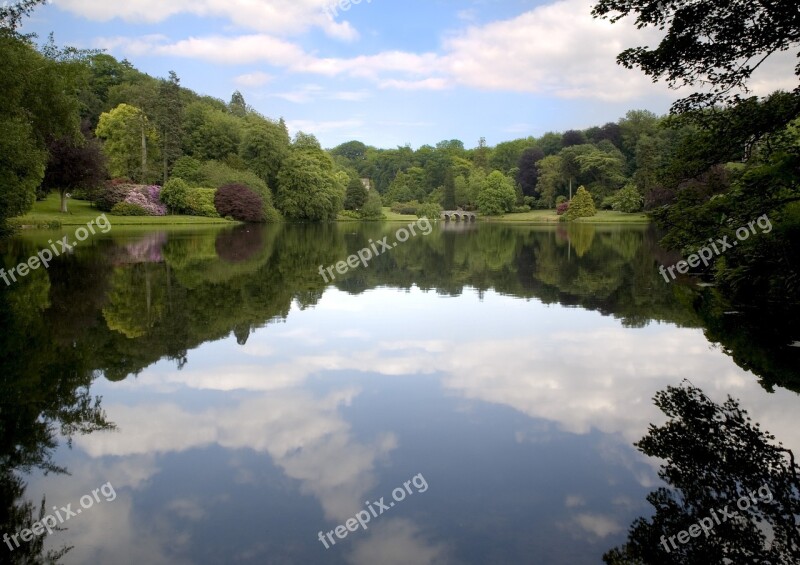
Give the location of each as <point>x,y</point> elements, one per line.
<point>555,50</point>
<point>253,79</point>
<point>281,17</point>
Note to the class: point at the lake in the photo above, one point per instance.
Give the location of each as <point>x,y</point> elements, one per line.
<point>470,395</point>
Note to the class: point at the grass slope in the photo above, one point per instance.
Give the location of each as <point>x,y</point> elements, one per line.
<point>47,214</point>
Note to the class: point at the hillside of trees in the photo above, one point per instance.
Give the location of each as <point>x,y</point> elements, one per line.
<point>86,124</point>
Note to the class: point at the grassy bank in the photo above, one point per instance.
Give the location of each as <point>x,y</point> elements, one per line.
<point>47,214</point>
<point>550,216</point>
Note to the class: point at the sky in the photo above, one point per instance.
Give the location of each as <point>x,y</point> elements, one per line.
<point>387,72</point>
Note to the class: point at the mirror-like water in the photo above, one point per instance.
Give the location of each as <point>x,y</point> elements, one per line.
<point>469,396</point>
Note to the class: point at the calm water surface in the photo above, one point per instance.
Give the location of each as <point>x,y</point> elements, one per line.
<point>502,373</point>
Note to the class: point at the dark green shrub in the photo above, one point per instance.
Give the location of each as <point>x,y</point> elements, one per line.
<point>114,192</point>
<point>240,203</point>
<point>356,195</point>
<point>128,209</point>
<point>405,208</point>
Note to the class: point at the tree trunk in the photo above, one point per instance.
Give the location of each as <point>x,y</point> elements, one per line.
<point>144,149</point>
<point>64,201</point>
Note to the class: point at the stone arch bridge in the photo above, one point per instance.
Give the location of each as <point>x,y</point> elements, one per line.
<point>459,216</point>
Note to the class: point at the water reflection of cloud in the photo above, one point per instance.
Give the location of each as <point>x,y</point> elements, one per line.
<point>304,435</point>
<point>398,541</point>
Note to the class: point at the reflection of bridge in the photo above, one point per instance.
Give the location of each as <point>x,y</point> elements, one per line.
<point>459,216</point>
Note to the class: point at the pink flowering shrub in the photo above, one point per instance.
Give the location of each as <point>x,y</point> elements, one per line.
<point>562,208</point>
<point>147,198</point>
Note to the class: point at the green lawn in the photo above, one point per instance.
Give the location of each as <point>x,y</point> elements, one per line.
<point>394,217</point>
<point>47,214</point>
<point>550,216</point>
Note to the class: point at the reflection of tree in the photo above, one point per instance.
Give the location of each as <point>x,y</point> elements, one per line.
<point>581,237</point>
<point>715,457</point>
<point>757,340</point>
<point>44,390</point>
<point>163,309</point>
<point>240,244</point>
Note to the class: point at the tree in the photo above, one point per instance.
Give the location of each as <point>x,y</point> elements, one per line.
<point>506,155</point>
<point>528,173</point>
<point>265,145</point>
<point>307,188</point>
<point>550,182</point>
<point>627,199</point>
<point>582,206</point>
<point>169,121</point>
<point>497,195</point>
<point>356,195</point>
<point>74,164</point>
<point>602,167</point>
<point>210,133</point>
<point>38,105</point>
<point>237,105</point>
<point>353,151</point>
<point>11,15</point>
<point>128,134</point>
<point>373,207</point>
<point>571,169</point>
<point>449,191</point>
<point>480,156</point>
<point>573,137</point>
<point>716,45</point>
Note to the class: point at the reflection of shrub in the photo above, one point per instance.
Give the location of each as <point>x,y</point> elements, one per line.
<point>200,202</point>
<point>240,203</point>
<point>240,244</point>
<point>562,208</point>
<point>128,209</point>
<point>174,195</point>
<point>405,208</point>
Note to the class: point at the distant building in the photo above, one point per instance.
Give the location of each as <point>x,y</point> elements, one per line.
<point>367,184</point>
